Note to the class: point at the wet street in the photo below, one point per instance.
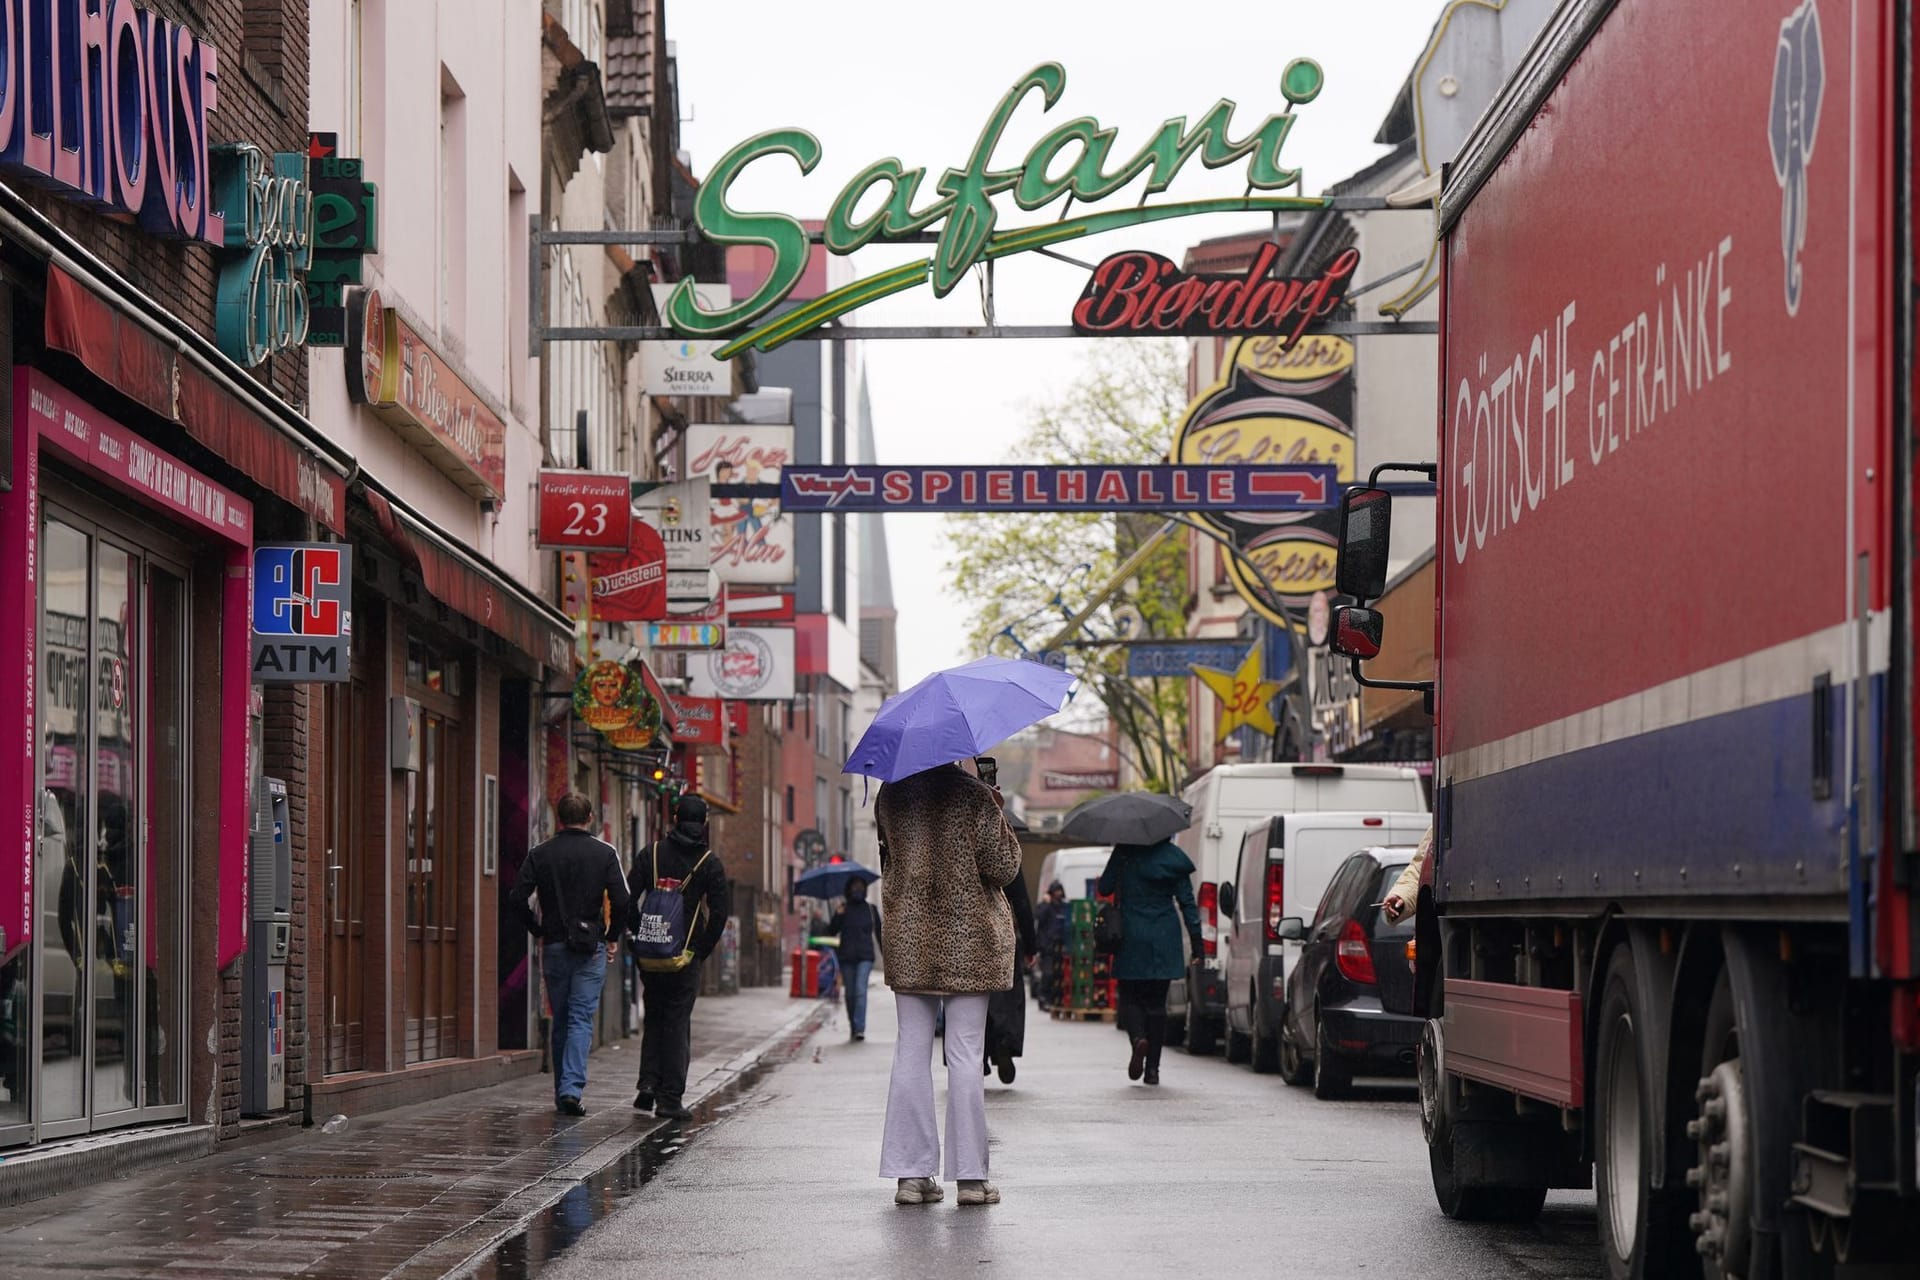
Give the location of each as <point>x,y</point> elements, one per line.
<point>1217,1171</point>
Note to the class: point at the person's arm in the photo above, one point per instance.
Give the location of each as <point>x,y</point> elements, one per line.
<point>619,897</point>
<point>1110,874</point>
<point>836,922</point>
<point>1406,890</point>
<point>717,896</point>
<point>519,898</point>
<point>1189,910</point>
<point>1022,904</point>
<point>998,849</point>
<point>639,880</point>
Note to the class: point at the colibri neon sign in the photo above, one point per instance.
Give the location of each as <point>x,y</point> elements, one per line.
<point>879,204</point>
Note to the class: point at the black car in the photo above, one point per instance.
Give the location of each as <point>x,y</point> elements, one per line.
<point>1336,1026</point>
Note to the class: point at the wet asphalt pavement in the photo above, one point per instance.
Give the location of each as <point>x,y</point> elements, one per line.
<point>1218,1171</point>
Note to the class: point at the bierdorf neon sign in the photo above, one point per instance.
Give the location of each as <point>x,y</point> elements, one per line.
<point>110,102</point>
<point>881,203</point>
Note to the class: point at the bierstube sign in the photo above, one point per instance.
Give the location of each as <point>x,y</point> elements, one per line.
<point>884,202</point>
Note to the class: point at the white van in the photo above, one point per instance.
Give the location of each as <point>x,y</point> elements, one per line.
<point>1228,799</point>
<point>1286,863</point>
<point>1076,869</point>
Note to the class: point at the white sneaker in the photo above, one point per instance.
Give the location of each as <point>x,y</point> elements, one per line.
<point>918,1191</point>
<point>979,1192</point>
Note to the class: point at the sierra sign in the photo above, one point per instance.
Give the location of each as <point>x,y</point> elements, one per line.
<point>882,202</point>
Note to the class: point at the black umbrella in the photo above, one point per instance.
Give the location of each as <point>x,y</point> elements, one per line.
<point>1132,817</point>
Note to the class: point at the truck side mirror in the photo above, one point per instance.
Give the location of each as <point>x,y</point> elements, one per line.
<point>1292,929</point>
<point>1366,519</point>
<point>1355,632</point>
<point>1227,899</point>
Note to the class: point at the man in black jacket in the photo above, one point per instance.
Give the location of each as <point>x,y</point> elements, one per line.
<point>666,1042</point>
<point>583,898</point>
<point>857,925</point>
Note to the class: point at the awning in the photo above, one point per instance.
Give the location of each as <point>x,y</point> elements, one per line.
<point>473,588</point>
<point>172,381</point>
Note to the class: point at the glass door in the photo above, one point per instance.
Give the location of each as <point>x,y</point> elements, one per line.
<point>111,860</point>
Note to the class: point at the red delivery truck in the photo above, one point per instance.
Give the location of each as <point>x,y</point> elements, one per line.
<point>1669,938</point>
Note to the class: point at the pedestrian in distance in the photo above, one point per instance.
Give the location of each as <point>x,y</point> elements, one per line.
<point>1151,884</point>
<point>946,857</point>
<point>582,896</point>
<point>857,925</point>
<point>680,908</point>
<point>1007,1010</point>
<point>1053,919</point>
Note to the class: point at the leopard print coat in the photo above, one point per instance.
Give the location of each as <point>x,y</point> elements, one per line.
<point>947,854</point>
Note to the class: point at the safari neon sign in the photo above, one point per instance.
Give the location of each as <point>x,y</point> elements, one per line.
<point>883,202</point>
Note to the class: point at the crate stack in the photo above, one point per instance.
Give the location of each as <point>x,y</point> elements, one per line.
<point>1086,980</point>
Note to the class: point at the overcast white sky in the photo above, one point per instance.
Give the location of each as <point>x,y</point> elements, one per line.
<point>874,78</point>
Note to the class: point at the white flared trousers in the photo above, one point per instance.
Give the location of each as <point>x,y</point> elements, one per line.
<point>911,1147</point>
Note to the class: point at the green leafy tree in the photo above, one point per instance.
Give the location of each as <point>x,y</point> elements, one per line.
<point>1026,574</point>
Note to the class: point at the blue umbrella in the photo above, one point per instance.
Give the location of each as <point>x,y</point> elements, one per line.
<point>831,879</point>
<point>957,713</point>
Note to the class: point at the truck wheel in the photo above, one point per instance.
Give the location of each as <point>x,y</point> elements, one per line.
<point>1332,1078</point>
<point>1200,1033</point>
<point>1266,1052</point>
<point>1638,1235</point>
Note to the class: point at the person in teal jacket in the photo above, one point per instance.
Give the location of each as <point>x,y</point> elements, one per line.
<point>1153,887</point>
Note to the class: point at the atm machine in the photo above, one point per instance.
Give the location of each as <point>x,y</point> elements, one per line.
<point>263,987</point>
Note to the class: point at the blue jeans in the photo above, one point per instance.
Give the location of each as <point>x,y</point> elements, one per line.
<point>573,989</point>
<point>855,975</point>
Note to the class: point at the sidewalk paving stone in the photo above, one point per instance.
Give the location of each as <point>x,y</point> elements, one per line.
<point>415,1191</point>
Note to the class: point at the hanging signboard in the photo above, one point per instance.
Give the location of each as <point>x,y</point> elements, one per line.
<point>755,666</point>
<point>1082,780</point>
<point>1275,400</point>
<point>393,370</point>
<point>346,228</point>
<point>608,696</point>
<point>1246,695</point>
<point>1141,294</point>
<point>714,610</point>
<point>584,511</point>
<point>760,610</point>
<point>698,588</point>
<point>685,635</point>
<point>260,303</point>
<point>750,540</point>
<point>687,366</point>
<point>679,514</point>
<point>879,204</point>
<point>1145,661</point>
<point>700,722</point>
<point>302,612</point>
<point>1060,488</point>
<point>630,585</point>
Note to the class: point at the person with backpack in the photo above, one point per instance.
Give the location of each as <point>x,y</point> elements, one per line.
<point>580,888</point>
<point>680,906</point>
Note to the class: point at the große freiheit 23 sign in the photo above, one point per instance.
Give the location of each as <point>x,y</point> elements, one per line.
<point>1060,488</point>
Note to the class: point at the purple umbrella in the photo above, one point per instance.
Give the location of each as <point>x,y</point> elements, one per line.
<point>958,713</point>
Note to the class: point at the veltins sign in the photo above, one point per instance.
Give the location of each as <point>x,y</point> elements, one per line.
<point>302,612</point>
<point>1073,160</point>
<point>584,511</point>
<point>687,366</point>
<point>755,666</point>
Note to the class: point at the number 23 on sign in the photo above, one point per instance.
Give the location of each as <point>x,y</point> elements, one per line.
<point>585,511</point>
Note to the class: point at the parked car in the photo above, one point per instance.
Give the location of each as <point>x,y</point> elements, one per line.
<point>1289,858</point>
<point>1336,1024</point>
<point>1228,799</point>
<point>1076,868</point>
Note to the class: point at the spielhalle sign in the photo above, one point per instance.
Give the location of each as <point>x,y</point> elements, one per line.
<point>1060,488</point>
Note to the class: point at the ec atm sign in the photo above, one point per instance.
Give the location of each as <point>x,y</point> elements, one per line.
<point>302,612</point>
